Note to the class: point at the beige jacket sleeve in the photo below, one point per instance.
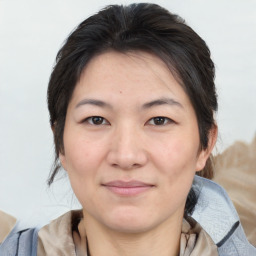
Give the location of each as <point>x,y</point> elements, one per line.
<point>7,222</point>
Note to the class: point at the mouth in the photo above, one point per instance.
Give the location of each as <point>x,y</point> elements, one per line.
<point>127,188</point>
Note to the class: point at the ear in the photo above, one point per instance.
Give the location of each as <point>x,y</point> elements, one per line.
<point>53,127</point>
<point>62,160</point>
<point>205,153</point>
<point>61,155</point>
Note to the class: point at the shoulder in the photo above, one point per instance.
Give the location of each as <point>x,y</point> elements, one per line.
<point>56,238</point>
<point>218,217</point>
<point>7,223</point>
<point>52,239</point>
<point>235,170</point>
<point>195,240</point>
<point>20,242</point>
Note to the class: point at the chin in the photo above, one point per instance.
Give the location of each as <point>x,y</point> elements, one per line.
<point>129,222</point>
<point>130,227</point>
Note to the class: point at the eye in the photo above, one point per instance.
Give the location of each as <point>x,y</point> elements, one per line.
<point>96,120</point>
<point>160,120</point>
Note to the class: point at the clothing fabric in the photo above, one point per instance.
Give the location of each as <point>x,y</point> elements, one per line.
<point>14,241</point>
<point>217,215</point>
<point>194,240</point>
<point>235,170</point>
<point>20,243</point>
<point>7,223</point>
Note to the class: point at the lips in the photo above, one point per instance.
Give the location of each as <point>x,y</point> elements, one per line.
<point>127,188</point>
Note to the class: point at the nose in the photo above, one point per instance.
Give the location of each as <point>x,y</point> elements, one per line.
<point>127,149</point>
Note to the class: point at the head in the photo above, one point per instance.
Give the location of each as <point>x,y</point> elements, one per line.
<point>141,30</point>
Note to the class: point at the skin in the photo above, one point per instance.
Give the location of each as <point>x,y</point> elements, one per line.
<point>128,91</point>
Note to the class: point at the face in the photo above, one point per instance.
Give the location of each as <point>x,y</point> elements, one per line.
<point>131,142</point>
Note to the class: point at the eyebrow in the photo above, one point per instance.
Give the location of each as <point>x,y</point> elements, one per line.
<point>157,102</point>
<point>94,102</point>
<point>162,101</point>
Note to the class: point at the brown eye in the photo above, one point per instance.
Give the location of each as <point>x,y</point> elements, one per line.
<point>96,120</point>
<point>160,120</point>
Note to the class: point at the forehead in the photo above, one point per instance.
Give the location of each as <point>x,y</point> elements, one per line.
<point>138,74</point>
<point>134,65</point>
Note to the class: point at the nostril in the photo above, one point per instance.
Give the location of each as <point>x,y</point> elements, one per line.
<point>126,155</point>
<point>125,167</point>
<point>124,163</point>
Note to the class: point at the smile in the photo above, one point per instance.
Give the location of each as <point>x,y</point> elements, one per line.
<point>130,188</point>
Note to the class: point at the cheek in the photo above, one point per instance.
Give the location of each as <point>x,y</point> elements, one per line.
<point>81,155</point>
<point>84,156</point>
<point>176,167</point>
<point>81,163</point>
<point>179,156</point>
<point>180,161</point>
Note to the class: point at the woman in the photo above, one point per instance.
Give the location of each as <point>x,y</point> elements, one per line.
<point>132,102</point>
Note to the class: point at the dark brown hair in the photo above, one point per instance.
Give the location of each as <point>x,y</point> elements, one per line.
<point>136,27</point>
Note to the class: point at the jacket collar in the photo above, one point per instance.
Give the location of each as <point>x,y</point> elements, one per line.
<point>58,238</point>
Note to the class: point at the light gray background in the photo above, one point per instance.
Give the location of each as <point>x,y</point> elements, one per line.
<point>31,32</point>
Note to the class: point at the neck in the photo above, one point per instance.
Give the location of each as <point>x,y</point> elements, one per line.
<point>163,240</point>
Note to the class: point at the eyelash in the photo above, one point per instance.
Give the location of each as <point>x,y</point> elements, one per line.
<point>102,121</point>
<point>91,120</point>
<point>163,121</point>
